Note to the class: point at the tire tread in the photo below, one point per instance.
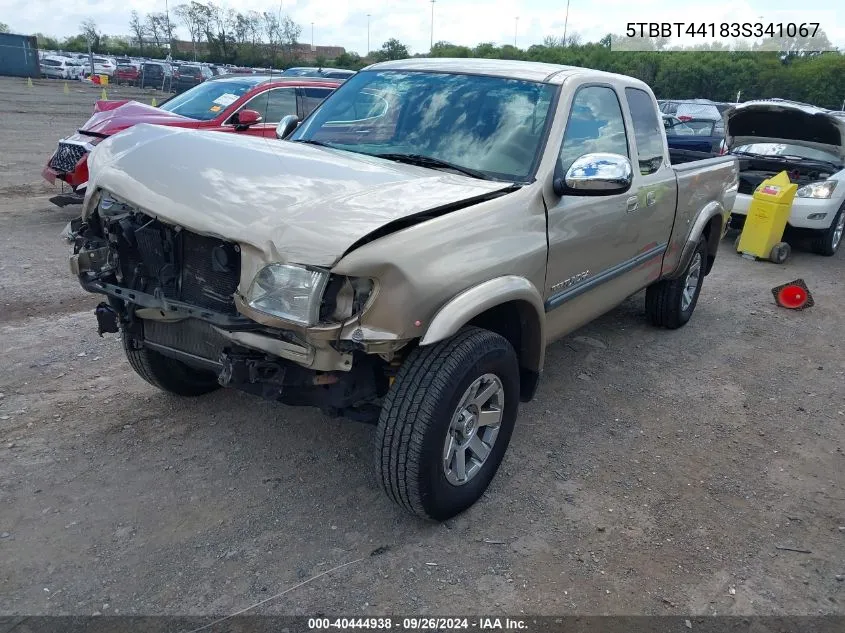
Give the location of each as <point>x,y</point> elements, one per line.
<point>410,406</point>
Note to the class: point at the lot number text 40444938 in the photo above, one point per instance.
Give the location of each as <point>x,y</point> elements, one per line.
<point>417,624</point>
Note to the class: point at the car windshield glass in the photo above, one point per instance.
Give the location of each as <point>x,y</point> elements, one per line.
<point>51,62</point>
<point>207,100</point>
<point>786,149</point>
<point>492,125</point>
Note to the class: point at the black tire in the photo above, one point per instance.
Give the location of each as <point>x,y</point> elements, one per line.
<point>822,243</point>
<point>664,299</point>
<point>780,253</point>
<point>169,374</point>
<point>417,414</point>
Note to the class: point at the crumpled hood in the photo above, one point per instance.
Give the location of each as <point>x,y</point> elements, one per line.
<point>110,120</point>
<point>291,201</point>
<point>784,122</point>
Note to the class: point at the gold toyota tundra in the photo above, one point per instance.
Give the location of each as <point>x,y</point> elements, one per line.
<point>404,254</point>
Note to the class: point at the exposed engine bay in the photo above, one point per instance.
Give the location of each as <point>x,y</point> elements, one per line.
<point>754,171</point>
<point>173,291</point>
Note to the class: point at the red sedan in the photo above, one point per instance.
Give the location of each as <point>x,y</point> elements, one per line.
<point>127,74</point>
<point>241,104</point>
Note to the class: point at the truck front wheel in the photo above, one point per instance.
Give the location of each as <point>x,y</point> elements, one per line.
<point>446,423</point>
<point>670,302</point>
<point>168,374</point>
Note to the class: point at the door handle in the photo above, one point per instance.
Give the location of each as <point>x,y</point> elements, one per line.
<point>633,204</point>
<point>650,198</point>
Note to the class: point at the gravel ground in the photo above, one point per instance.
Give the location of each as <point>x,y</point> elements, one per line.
<point>656,472</point>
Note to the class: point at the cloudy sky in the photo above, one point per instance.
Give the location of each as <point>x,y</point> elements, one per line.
<point>467,22</point>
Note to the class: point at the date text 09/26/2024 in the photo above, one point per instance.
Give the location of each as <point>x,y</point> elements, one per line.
<point>418,624</point>
<point>714,30</point>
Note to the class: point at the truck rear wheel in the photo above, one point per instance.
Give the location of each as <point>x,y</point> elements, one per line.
<point>827,242</point>
<point>670,302</point>
<point>168,374</point>
<point>446,423</point>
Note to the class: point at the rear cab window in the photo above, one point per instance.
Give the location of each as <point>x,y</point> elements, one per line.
<point>647,130</point>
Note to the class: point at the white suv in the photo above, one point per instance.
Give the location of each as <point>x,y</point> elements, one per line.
<point>809,144</point>
<point>104,66</point>
<point>60,68</point>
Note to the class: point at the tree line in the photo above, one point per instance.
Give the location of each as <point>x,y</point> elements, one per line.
<point>268,39</point>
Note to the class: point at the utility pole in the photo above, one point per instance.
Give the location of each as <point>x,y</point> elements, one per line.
<point>169,36</point>
<point>432,25</point>
<point>368,36</point>
<point>515,29</point>
<point>90,55</point>
<point>565,22</point>
<point>312,36</point>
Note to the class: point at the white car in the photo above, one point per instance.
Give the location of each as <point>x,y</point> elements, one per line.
<point>809,144</point>
<point>59,68</point>
<point>104,66</point>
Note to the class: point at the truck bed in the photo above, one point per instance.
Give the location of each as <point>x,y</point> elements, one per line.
<point>702,182</point>
<point>681,156</point>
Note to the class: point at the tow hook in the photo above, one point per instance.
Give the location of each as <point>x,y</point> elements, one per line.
<point>106,319</point>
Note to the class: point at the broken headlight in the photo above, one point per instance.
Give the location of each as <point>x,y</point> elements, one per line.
<point>820,190</point>
<point>345,297</point>
<point>288,291</point>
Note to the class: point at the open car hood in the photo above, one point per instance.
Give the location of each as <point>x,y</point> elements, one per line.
<point>108,119</point>
<point>785,122</point>
<point>290,201</point>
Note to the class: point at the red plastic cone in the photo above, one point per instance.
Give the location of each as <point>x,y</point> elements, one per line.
<point>794,296</point>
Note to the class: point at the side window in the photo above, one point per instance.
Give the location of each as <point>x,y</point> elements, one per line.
<point>646,130</point>
<point>273,104</point>
<point>595,125</point>
<point>312,97</point>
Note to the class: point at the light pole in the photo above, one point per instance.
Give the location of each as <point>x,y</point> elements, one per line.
<point>312,36</point>
<point>169,37</point>
<point>565,22</point>
<point>368,36</point>
<point>515,29</point>
<point>432,25</point>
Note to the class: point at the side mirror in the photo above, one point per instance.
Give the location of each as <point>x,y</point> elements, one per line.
<point>596,175</point>
<point>287,125</point>
<point>247,118</point>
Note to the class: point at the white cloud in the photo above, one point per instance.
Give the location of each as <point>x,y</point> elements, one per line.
<point>467,22</point>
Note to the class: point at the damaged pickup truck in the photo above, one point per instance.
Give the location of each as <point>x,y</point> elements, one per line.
<point>404,255</point>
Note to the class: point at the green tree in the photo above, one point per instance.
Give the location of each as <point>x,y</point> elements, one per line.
<point>4,28</point>
<point>46,42</point>
<point>350,61</point>
<point>391,49</point>
<point>138,28</point>
<point>89,31</point>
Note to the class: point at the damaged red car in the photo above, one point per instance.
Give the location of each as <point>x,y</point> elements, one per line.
<point>237,104</point>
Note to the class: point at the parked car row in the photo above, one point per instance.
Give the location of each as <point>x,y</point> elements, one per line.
<point>167,75</point>
<point>687,109</point>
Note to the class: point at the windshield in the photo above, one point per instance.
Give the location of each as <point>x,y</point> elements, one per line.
<point>207,100</point>
<point>490,124</point>
<point>785,149</point>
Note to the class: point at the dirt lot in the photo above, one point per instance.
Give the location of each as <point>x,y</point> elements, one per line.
<point>656,472</point>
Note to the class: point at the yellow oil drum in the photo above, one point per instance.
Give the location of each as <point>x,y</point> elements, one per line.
<point>104,80</point>
<point>766,220</point>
